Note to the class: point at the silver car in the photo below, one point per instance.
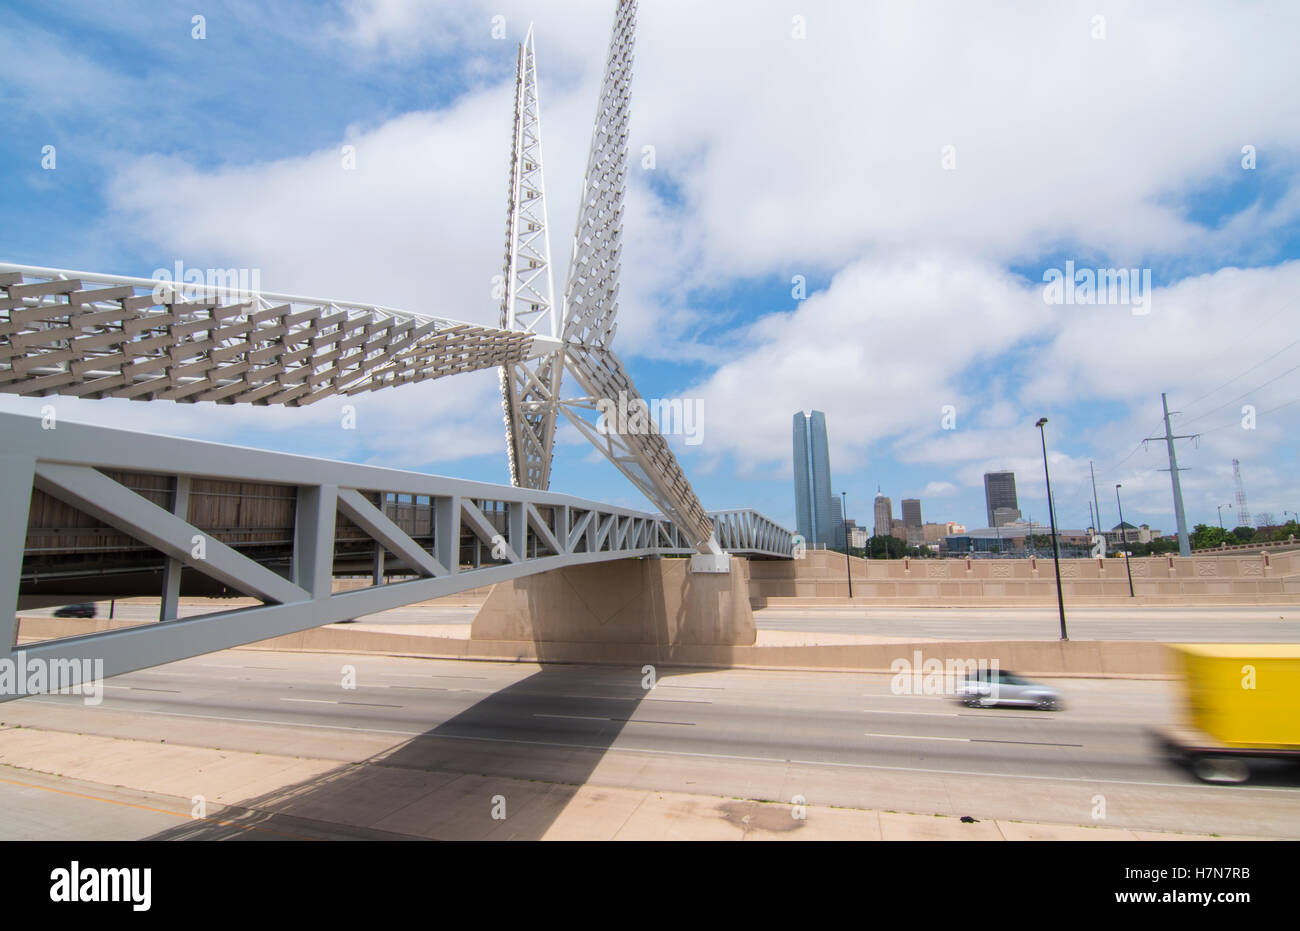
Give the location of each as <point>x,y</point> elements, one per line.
<point>990,687</point>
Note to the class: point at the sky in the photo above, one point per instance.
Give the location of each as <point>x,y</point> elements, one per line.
<point>852,207</point>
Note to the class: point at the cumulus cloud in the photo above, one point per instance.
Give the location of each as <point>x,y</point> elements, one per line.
<point>823,156</point>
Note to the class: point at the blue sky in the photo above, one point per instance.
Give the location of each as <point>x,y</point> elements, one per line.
<point>776,157</point>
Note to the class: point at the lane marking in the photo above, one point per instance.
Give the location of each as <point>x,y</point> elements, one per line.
<point>917,737</point>
<point>312,701</point>
<point>1239,791</point>
<point>573,717</point>
<point>643,721</point>
<point>1036,743</point>
<point>931,714</point>
<point>368,704</point>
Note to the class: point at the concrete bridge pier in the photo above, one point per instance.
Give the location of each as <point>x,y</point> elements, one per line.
<point>653,601</point>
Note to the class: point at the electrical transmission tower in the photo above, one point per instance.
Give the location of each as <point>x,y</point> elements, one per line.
<point>1243,513</point>
<point>1184,546</point>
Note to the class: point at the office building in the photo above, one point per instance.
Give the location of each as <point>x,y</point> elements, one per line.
<point>1000,493</point>
<point>884,515</point>
<point>812,480</point>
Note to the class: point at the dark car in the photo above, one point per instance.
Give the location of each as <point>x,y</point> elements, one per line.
<point>81,610</point>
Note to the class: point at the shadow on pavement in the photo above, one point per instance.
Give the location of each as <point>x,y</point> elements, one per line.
<point>522,751</point>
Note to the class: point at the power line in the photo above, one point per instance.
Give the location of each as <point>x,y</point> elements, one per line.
<point>1240,396</point>
<point>1237,423</point>
<point>1243,374</point>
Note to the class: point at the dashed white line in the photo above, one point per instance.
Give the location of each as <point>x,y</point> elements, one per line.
<point>916,737</point>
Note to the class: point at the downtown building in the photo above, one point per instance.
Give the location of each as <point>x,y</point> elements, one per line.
<point>1000,498</point>
<point>883,515</point>
<point>814,516</point>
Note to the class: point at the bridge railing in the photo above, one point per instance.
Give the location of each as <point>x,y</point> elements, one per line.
<point>481,534</point>
<point>428,535</point>
<point>746,532</point>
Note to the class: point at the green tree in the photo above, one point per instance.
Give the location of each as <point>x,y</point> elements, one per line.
<point>1205,537</point>
<point>1242,535</point>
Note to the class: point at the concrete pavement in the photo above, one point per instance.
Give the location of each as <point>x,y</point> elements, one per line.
<point>55,804</point>
<point>840,741</point>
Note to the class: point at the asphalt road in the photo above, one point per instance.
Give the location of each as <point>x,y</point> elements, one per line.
<point>1153,623</point>
<point>835,739</point>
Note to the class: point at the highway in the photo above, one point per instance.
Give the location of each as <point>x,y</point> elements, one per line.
<point>834,738</point>
<point>1256,623</point>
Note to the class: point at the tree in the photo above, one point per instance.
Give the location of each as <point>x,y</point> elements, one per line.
<point>1205,537</point>
<point>886,548</point>
<point>1242,535</point>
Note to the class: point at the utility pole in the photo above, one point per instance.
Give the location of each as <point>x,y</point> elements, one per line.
<point>1124,536</point>
<point>1184,546</point>
<point>1095,504</point>
<point>1051,516</point>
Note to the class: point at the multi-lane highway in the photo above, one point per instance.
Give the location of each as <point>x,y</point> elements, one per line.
<point>834,739</point>
<point>1276,623</point>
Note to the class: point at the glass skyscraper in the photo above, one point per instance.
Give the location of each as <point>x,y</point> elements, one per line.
<point>812,479</point>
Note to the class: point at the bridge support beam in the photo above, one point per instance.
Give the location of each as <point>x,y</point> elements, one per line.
<point>658,602</point>
<point>15,500</point>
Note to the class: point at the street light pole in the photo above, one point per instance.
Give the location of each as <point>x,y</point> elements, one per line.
<point>1220,508</point>
<point>844,522</point>
<point>1123,535</point>
<point>1051,516</point>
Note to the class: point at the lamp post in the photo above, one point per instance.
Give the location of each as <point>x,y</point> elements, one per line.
<point>844,522</point>
<point>1123,535</point>
<point>1220,508</point>
<point>1051,516</point>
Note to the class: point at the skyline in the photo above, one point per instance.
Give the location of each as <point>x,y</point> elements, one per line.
<point>710,305</point>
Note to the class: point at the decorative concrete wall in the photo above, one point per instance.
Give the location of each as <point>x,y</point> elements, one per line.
<point>1239,578</point>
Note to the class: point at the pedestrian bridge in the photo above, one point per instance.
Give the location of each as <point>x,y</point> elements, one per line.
<point>91,512</point>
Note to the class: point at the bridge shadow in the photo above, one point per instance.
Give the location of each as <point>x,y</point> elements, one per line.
<point>504,768</point>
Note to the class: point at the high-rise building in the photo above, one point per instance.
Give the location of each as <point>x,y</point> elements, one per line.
<point>812,479</point>
<point>837,522</point>
<point>884,524</point>
<point>999,492</point>
<point>914,535</point>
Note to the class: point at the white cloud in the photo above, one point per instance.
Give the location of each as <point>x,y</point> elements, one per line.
<point>819,157</point>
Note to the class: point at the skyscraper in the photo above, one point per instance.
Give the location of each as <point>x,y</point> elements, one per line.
<point>912,521</point>
<point>812,479</point>
<point>884,516</point>
<point>1000,492</point>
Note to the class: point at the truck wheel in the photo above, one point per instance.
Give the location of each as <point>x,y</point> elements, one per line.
<point>1221,769</point>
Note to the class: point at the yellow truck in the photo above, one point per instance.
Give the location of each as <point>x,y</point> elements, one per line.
<point>1241,708</point>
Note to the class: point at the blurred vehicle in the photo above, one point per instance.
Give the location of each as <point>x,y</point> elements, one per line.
<point>1240,711</point>
<point>987,688</point>
<point>78,610</point>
